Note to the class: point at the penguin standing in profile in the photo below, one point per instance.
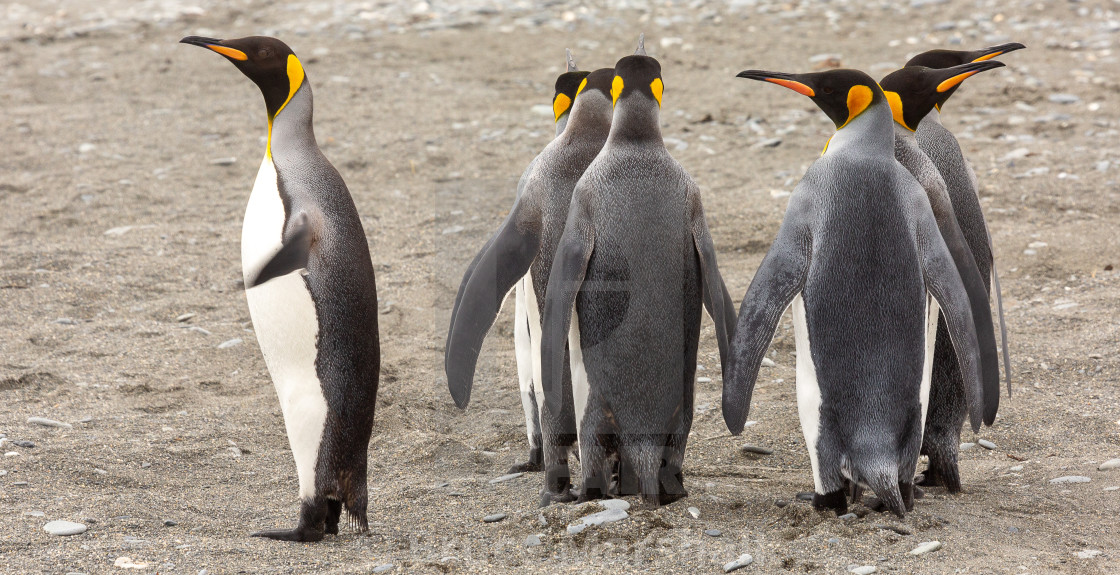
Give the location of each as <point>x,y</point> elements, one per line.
<point>912,93</point>
<point>860,257</point>
<point>312,297</point>
<point>942,439</point>
<point>522,251</point>
<point>633,269</point>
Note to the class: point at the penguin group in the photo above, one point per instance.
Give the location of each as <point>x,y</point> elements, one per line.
<point>884,257</point>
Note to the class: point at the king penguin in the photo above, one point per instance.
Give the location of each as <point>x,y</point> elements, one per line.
<point>632,271</point>
<point>521,252</point>
<point>567,84</point>
<point>942,437</point>
<point>860,257</point>
<point>312,296</point>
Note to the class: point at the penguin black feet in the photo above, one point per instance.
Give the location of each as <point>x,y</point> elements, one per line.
<point>908,492</point>
<point>557,485</point>
<point>942,473</point>
<point>334,511</point>
<point>533,464</point>
<point>312,522</point>
<point>836,501</point>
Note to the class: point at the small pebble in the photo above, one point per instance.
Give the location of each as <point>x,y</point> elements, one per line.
<point>576,528</point>
<point>145,465</point>
<point>494,518</point>
<point>533,541</point>
<point>11,454</point>
<point>19,483</point>
<point>805,496</point>
<point>1064,98</point>
<point>1088,554</point>
<point>848,517</point>
<point>926,548</point>
<point>1012,529</point>
<point>986,444</point>
<point>748,448</point>
<point>768,143</point>
<point>713,532</point>
<point>900,529</point>
<point>1110,464</point>
<point>1070,479</point>
<point>169,523</point>
<point>781,503</point>
<point>620,504</point>
<point>34,513</point>
<point>1112,488</point>
<point>767,362</point>
<point>863,570</point>
<point>223,161</point>
<point>229,343</point>
<point>834,540</point>
<point>23,443</point>
<point>86,419</point>
<point>506,477</point>
<point>64,528</point>
<point>1015,468</point>
<point>184,317</point>
<point>743,560</point>
<point>967,446</point>
<point>694,512</point>
<point>703,380</point>
<point>378,569</point>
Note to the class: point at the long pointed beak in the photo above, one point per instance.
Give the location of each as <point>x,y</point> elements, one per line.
<point>950,77</point>
<point>780,78</point>
<point>215,45</point>
<point>994,51</point>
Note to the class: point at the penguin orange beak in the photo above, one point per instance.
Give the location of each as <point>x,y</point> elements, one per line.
<point>951,77</point>
<point>216,45</point>
<point>791,81</point>
<point>994,51</point>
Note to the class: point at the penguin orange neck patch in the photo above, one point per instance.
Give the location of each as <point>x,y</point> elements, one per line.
<point>896,108</point>
<point>657,87</point>
<point>561,104</point>
<point>295,79</point>
<point>616,89</point>
<point>859,98</point>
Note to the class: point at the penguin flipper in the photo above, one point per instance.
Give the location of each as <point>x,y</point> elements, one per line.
<point>977,290</point>
<point>504,260</point>
<point>569,267</point>
<point>779,278</point>
<point>716,297</point>
<point>293,254</point>
<point>943,281</point>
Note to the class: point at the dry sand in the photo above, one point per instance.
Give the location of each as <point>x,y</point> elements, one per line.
<point>128,159</point>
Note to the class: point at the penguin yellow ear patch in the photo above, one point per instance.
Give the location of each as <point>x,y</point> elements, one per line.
<point>657,87</point>
<point>561,104</point>
<point>896,108</point>
<point>859,98</point>
<point>792,85</point>
<point>228,52</point>
<point>616,89</point>
<point>582,85</point>
<point>295,78</point>
<point>951,82</point>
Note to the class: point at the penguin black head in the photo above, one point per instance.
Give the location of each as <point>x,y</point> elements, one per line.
<point>914,90</point>
<point>601,80</point>
<point>949,58</point>
<point>841,94</point>
<point>268,62</point>
<point>637,74</point>
<point>567,86</point>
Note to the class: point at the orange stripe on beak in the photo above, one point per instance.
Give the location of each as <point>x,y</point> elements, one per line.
<point>987,57</point>
<point>228,52</point>
<point>951,82</point>
<point>795,86</point>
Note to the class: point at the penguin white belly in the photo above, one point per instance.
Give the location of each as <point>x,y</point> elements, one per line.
<point>932,312</point>
<point>808,389</point>
<point>286,326</point>
<point>580,389</point>
<point>522,344</point>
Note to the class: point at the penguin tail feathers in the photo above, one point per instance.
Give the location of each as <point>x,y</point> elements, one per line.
<point>884,482</point>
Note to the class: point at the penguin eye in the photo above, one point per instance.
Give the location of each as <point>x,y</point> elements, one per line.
<point>264,53</point>
<point>827,89</point>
